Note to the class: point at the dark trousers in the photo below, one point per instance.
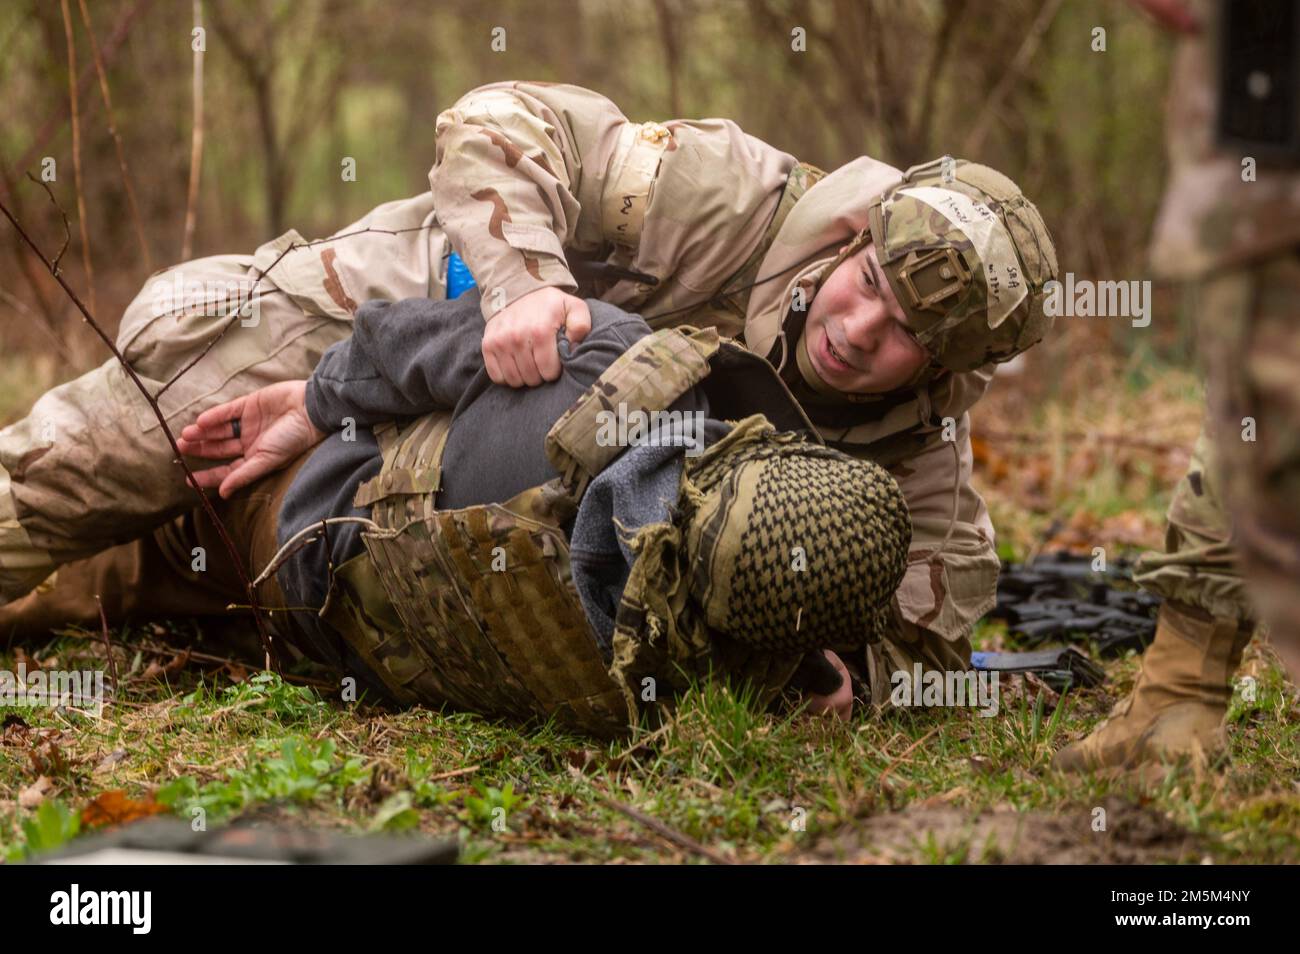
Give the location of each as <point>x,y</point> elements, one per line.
<point>155,576</point>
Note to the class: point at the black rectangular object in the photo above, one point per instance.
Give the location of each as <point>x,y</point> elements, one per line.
<point>1259,79</point>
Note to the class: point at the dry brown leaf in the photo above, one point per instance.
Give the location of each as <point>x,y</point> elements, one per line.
<point>47,757</point>
<point>14,729</point>
<point>108,761</point>
<point>582,759</point>
<point>35,793</point>
<point>156,670</point>
<point>114,808</point>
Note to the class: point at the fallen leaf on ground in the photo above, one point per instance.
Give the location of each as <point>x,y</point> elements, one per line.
<point>156,670</point>
<point>108,761</point>
<point>114,808</point>
<point>35,793</point>
<point>47,758</point>
<point>236,672</point>
<point>14,729</point>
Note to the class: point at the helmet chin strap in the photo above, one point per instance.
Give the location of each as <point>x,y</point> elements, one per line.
<point>924,375</point>
<point>809,373</point>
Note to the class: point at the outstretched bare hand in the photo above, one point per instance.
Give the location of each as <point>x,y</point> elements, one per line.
<point>263,431</point>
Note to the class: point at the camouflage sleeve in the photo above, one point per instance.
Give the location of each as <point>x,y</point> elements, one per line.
<point>952,572</point>
<point>514,168</point>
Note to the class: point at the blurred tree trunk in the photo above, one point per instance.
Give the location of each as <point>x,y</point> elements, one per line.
<point>259,49</point>
<point>666,14</point>
<point>940,56</point>
<point>257,69</point>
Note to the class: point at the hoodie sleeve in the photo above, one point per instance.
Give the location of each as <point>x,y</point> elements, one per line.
<point>403,359</point>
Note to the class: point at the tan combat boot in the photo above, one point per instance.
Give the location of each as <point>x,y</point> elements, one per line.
<point>1176,708</point>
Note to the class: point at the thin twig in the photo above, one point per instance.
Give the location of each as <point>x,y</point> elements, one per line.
<point>233,707</point>
<point>216,661</point>
<point>272,662</point>
<point>262,273</point>
<point>117,139</point>
<point>670,835</point>
<point>903,755</point>
<point>108,641</point>
<point>76,154</point>
<point>222,661</point>
<point>663,831</point>
<point>55,123</point>
<point>24,259</point>
<point>454,773</point>
<point>196,145</point>
<point>67,229</point>
<point>618,760</point>
<point>302,539</point>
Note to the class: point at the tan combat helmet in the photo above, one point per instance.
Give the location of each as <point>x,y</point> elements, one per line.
<point>966,254</point>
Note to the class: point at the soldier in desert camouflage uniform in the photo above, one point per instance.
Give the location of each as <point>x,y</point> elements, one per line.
<point>547,191</point>
<point>1237,239</point>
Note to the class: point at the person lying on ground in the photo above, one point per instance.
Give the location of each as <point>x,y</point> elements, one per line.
<point>695,545</point>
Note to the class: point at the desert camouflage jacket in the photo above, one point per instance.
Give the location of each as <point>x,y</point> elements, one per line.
<point>531,181</point>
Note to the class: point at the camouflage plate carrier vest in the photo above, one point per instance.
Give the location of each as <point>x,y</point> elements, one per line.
<point>476,607</point>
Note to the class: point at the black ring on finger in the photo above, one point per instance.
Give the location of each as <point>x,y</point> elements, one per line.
<point>234,426</point>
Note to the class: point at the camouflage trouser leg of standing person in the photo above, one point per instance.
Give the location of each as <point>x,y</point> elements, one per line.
<point>1251,341</point>
<point>1178,702</point>
<point>1199,567</point>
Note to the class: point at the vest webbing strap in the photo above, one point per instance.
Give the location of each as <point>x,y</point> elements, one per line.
<point>802,178</point>
<point>646,378</point>
<point>412,460</point>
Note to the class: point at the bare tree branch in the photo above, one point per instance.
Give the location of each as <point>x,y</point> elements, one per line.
<point>272,660</point>
<point>196,146</point>
<point>67,228</point>
<point>117,139</point>
<point>669,37</point>
<point>55,123</point>
<point>23,257</point>
<point>258,76</point>
<point>76,155</point>
<point>923,120</point>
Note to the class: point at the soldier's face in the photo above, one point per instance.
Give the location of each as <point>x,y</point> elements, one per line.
<point>855,334</point>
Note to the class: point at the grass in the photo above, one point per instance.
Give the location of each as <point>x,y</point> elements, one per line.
<point>751,785</point>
